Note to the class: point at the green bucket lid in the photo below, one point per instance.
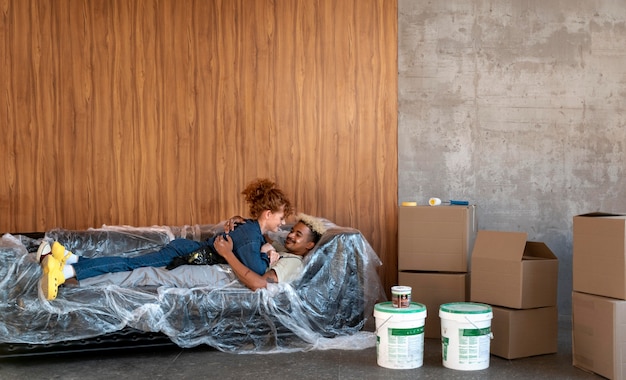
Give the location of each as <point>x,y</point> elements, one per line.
<point>387,307</point>
<point>465,308</point>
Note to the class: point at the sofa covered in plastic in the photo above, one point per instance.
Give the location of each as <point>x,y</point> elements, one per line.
<point>326,308</point>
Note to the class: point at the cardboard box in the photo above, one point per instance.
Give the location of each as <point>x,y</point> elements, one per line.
<point>437,239</point>
<point>522,333</point>
<point>599,258</point>
<point>599,335</point>
<point>434,289</point>
<point>511,272</point>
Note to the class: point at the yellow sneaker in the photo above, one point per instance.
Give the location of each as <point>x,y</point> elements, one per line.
<point>57,250</point>
<point>60,253</point>
<point>52,277</point>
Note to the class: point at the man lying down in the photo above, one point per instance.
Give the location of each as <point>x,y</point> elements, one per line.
<point>286,262</point>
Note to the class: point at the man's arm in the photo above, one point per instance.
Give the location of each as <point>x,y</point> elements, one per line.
<point>254,281</point>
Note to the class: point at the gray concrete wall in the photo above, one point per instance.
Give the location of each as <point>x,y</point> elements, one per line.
<point>518,107</point>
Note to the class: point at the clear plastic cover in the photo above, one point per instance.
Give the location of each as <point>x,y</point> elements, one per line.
<point>326,308</point>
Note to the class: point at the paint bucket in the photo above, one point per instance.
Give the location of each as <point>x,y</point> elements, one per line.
<point>465,335</point>
<point>401,296</point>
<point>400,335</point>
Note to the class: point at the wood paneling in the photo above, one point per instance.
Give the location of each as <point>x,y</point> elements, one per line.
<point>161,111</point>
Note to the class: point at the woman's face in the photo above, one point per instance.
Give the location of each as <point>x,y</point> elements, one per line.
<point>275,220</point>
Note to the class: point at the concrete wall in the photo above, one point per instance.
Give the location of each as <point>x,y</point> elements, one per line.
<point>518,107</point>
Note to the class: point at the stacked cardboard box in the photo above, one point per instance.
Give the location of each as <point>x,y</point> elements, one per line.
<point>519,280</point>
<point>599,296</point>
<point>434,248</point>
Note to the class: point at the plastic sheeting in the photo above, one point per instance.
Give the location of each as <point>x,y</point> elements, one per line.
<point>327,308</point>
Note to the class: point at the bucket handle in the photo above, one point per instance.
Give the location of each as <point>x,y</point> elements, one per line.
<point>477,328</point>
<point>382,324</point>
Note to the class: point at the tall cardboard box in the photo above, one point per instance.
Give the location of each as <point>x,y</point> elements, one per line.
<point>599,254</point>
<point>526,332</point>
<point>599,334</point>
<point>438,239</point>
<point>509,271</point>
<point>434,289</point>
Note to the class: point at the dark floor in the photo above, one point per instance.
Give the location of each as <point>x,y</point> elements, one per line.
<point>175,363</point>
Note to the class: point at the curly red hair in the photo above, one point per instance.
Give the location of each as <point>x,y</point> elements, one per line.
<point>263,194</point>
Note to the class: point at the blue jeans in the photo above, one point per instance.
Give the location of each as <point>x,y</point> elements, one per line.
<point>87,267</point>
<point>247,241</point>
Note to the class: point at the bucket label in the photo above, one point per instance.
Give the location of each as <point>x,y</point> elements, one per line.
<point>476,332</point>
<point>401,347</point>
<point>401,300</point>
<point>406,332</point>
<point>473,345</point>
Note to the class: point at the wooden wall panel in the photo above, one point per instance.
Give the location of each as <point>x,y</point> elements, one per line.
<point>160,112</point>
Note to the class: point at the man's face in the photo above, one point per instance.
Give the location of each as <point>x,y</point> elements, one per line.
<point>300,240</point>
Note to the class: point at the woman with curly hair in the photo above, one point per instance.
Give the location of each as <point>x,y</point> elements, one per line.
<point>300,241</point>
<point>269,207</point>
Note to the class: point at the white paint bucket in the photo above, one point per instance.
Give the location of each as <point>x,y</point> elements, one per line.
<point>465,335</point>
<point>400,335</point>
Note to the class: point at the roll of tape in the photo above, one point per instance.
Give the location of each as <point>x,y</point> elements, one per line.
<point>409,204</point>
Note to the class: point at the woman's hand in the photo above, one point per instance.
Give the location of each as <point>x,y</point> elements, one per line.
<point>268,249</point>
<point>274,256</point>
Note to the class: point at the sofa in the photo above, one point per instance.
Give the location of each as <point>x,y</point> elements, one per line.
<point>329,306</point>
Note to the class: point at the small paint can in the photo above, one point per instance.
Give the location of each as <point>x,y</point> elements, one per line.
<point>401,296</point>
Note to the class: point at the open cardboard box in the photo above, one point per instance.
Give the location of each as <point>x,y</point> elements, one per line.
<point>599,258</point>
<point>509,271</point>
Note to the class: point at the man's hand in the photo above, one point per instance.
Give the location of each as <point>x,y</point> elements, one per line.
<point>231,223</point>
<point>223,245</point>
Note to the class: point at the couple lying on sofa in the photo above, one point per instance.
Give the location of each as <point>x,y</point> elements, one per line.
<point>327,305</point>
<point>244,246</point>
